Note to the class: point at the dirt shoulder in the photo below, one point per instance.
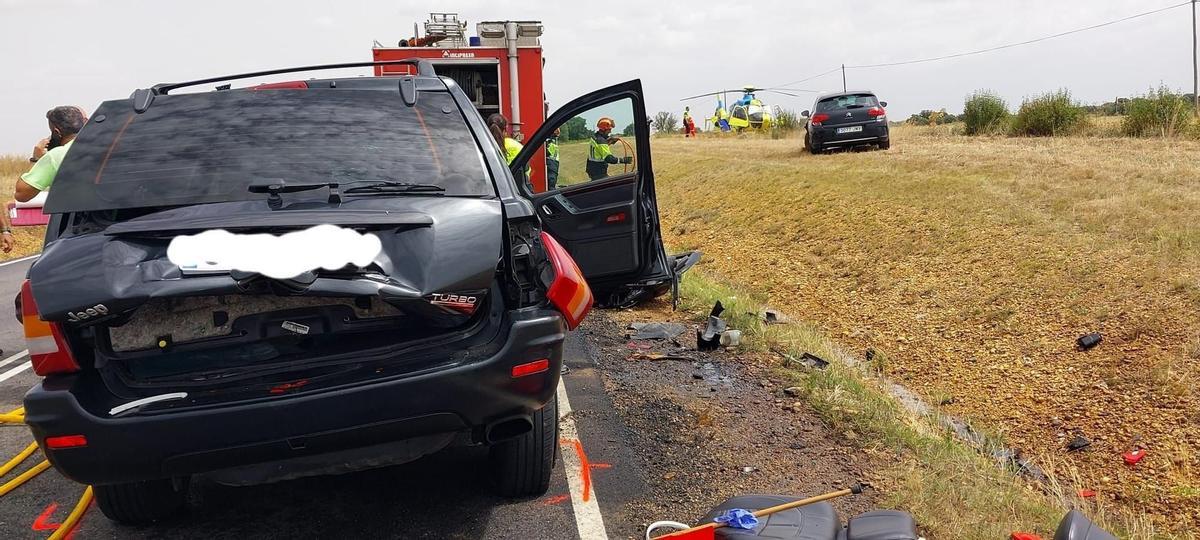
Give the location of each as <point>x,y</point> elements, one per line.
<point>712,425</point>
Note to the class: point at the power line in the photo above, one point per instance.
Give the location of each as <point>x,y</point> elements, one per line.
<point>1027,42</point>
<point>810,78</point>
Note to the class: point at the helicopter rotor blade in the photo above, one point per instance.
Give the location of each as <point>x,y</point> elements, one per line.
<point>780,92</point>
<point>717,93</point>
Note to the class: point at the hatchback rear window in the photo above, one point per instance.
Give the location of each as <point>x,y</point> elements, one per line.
<point>851,101</point>
<point>208,147</point>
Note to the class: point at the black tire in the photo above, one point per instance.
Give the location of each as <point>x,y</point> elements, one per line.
<point>139,503</point>
<point>521,467</point>
<point>885,144</point>
<point>815,149</point>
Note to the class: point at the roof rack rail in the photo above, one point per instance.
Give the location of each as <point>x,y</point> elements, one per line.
<point>424,68</point>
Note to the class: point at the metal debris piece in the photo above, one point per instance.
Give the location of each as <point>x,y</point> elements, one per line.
<point>656,330</point>
<point>1078,443</point>
<point>814,361</point>
<point>731,338</point>
<point>1088,341</point>
<point>710,338</point>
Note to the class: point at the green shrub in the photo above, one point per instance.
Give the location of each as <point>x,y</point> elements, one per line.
<point>1048,115</point>
<point>786,120</point>
<point>984,113</point>
<point>1160,113</point>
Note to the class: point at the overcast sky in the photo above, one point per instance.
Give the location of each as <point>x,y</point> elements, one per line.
<point>85,51</point>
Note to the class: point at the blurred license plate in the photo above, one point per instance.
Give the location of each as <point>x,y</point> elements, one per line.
<point>851,129</point>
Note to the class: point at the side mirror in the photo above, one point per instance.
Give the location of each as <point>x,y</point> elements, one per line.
<point>804,114</point>
<point>883,104</point>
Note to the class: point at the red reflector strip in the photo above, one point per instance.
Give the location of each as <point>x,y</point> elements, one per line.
<point>615,218</point>
<point>287,85</point>
<point>531,368</point>
<point>66,441</point>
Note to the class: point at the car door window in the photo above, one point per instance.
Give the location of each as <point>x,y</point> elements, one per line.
<point>596,144</point>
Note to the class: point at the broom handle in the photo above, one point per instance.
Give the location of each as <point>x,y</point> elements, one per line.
<point>852,490</point>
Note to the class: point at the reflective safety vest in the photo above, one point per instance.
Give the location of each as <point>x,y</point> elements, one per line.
<point>552,149</point>
<point>511,149</point>
<point>600,156</point>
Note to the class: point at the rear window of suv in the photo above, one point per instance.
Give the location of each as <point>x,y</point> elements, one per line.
<point>208,147</point>
<point>849,101</point>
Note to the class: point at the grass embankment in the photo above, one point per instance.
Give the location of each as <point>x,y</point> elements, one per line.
<point>971,265</point>
<point>954,490</point>
<point>27,240</point>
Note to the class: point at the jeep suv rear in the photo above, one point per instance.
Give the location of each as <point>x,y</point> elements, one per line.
<point>154,372</point>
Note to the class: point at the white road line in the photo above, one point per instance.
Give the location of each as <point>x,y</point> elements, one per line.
<point>587,513</point>
<point>22,259</point>
<point>14,358</point>
<point>14,371</point>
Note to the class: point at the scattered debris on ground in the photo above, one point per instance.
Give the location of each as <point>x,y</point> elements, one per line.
<point>717,427</point>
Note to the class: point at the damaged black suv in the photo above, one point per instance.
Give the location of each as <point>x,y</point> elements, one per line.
<point>452,335</point>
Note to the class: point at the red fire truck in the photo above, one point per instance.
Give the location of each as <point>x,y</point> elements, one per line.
<point>500,68</point>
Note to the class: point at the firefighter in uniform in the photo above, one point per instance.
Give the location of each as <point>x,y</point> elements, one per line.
<point>552,161</point>
<point>600,154</point>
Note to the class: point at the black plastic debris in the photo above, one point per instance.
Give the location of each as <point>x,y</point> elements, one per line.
<point>1079,442</point>
<point>1088,341</point>
<point>710,338</point>
<point>657,330</point>
<point>814,361</point>
<point>680,263</point>
<point>770,316</point>
<point>869,354</point>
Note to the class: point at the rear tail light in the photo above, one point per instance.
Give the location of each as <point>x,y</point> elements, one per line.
<point>818,118</point>
<point>875,112</point>
<point>569,292</point>
<point>66,441</point>
<point>48,351</point>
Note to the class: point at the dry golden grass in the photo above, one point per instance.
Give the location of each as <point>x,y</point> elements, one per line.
<point>973,264</point>
<point>27,240</point>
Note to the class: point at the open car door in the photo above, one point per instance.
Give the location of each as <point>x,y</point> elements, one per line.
<point>600,203</point>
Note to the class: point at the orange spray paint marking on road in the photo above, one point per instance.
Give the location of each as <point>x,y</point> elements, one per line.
<point>601,465</point>
<point>42,522</point>
<point>557,499</point>
<point>585,470</point>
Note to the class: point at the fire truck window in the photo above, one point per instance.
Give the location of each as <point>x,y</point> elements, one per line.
<point>596,144</point>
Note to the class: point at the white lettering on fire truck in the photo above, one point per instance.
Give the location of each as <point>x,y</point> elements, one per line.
<point>448,54</point>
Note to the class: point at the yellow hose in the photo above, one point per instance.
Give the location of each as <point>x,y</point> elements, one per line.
<point>18,410</point>
<point>12,418</point>
<point>24,477</point>
<point>76,515</point>
<point>12,463</point>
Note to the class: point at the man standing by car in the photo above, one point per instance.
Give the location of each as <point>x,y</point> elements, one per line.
<point>600,154</point>
<point>65,122</point>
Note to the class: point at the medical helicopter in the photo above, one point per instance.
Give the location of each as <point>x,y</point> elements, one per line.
<point>748,112</point>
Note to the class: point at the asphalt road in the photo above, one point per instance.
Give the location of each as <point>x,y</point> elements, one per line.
<point>442,496</point>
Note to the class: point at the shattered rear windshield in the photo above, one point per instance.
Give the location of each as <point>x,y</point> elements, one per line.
<point>851,101</point>
<point>208,147</point>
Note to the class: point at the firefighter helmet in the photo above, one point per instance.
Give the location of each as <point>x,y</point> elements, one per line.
<point>605,123</point>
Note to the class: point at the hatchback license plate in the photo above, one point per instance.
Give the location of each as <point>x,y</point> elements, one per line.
<point>851,129</point>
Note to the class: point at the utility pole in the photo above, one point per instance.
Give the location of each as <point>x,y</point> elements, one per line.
<point>1195,69</point>
<point>844,65</point>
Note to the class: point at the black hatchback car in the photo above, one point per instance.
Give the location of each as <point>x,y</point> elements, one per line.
<point>452,335</point>
<point>846,119</point>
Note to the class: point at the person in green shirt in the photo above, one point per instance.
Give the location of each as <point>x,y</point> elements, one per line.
<point>65,122</point>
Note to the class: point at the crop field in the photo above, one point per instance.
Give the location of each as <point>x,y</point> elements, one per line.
<point>970,265</point>
<point>27,240</point>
